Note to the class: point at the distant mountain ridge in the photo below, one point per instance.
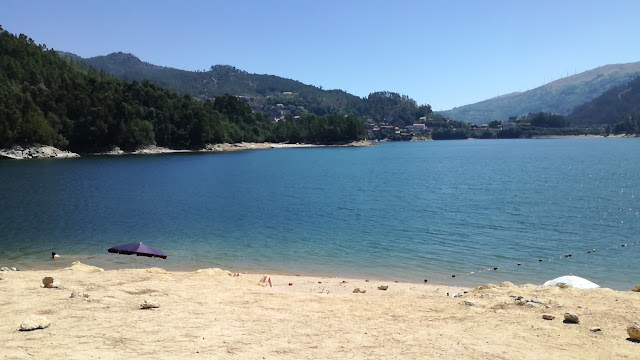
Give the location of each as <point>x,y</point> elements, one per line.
<point>614,106</point>
<point>558,97</point>
<point>272,95</point>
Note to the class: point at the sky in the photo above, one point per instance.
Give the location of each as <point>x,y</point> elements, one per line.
<point>443,53</point>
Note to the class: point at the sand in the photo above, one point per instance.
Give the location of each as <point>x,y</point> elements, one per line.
<point>210,314</point>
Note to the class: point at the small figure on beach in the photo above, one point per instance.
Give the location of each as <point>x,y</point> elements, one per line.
<point>54,255</point>
<point>266,280</point>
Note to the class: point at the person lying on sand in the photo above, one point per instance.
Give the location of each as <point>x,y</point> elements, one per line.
<point>266,280</point>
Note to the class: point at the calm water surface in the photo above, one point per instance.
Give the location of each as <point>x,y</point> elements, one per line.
<point>405,211</point>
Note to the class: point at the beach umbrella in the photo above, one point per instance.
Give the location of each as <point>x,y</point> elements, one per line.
<point>138,249</point>
<point>572,280</point>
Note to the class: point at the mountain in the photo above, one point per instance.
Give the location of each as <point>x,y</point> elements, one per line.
<point>558,97</point>
<point>613,106</point>
<point>272,95</point>
<point>50,100</point>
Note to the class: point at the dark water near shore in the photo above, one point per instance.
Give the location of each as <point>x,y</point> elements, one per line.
<point>398,211</point>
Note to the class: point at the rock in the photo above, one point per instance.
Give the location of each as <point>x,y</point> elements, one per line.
<point>595,329</point>
<point>531,304</point>
<point>4,268</point>
<point>49,283</point>
<point>214,272</point>
<point>156,270</point>
<point>469,303</point>
<point>485,287</point>
<point>383,287</point>
<point>571,318</point>
<point>634,331</point>
<point>14,269</point>
<point>77,265</point>
<point>34,152</point>
<point>548,317</point>
<point>637,288</point>
<point>34,322</point>
<point>78,294</point>
<point>149,305</point>
<point>358,290</point>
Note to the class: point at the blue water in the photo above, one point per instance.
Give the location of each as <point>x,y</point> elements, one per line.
<point>397,211</point>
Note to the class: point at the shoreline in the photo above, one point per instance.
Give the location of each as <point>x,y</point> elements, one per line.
<point>39,152</point>
<point>213,314</point>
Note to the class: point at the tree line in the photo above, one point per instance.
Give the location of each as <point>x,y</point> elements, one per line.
<point>51,100</point>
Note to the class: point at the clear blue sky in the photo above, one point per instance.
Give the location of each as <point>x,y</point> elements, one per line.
<point>443,53</point>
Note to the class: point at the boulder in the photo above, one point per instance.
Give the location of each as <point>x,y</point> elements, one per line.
<point>383,287</point>
<point>78,294</point>
<point>77,265</point>
<point>548,317</point>
<point>4,268</point>
<point>634,331</point>
<point>34,322</point>
<point>214,272</point>
<point>149,305</point>
<point>49,283</point>
<point>358,290</point>
<point>571,318</point>
<point>637,288</point>
<point>35,152</point>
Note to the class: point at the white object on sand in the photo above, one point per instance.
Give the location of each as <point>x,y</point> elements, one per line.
<point>574,281</point>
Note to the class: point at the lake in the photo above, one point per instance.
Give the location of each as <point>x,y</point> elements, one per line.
<point>404,211</point>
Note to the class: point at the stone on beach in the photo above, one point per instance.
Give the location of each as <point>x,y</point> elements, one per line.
<point>49,283</point>
<point>548,317</point>
<point>214,272</point>
<point>571,318</point>
<point>78,294</point>
<point>636,288</point>
<point>383,287</point>
<point>34,322</point>
<point>358,290</point>
<point>149,305</point>
<point>634,331</point>
<point>77,265</point>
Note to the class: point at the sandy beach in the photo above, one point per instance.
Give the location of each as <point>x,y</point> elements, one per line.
<point>210,314</point>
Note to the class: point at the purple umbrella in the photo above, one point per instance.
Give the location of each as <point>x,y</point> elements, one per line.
<point>137,249</point>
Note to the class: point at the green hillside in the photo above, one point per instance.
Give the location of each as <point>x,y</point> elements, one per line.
<point>272,95</point>
<point>614,106</point>
<point>50,100</point>
<point>558,97</point>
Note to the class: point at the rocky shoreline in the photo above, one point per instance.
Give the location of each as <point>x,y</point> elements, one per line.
<point>35,152</point>
<point>49,152</point>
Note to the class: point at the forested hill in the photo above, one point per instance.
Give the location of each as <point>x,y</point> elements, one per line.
<point>269,94</point>
<point>558,97</point>
<point>50,100</point>
<point>614,106</point>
